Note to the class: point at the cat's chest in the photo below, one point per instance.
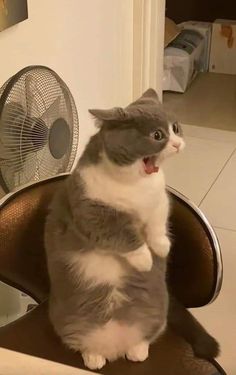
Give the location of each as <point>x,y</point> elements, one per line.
<point>139,198</point>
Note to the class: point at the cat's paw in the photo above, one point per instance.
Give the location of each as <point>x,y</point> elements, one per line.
<point>140,259</point>
<point>93,361</point>
<point>161,247</point>
<point>138,353</point>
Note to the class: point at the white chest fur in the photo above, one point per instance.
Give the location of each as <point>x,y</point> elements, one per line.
<point>140,197</point>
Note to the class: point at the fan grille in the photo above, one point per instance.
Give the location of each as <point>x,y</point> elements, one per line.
<point>32,104</point>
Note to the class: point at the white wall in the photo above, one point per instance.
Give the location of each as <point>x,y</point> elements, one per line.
<point>89,43</point>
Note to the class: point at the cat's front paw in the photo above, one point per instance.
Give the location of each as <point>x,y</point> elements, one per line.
<point>161,246</point>
<point>93,361</point>
<point>138,353</point>
<point>140,259</point>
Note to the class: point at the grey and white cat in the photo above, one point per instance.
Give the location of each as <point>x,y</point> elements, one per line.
<point>107,240</point>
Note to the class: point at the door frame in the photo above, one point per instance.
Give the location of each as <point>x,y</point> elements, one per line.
<point>148,45</point>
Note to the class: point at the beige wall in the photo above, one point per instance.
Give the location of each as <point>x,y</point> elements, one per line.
<point>88,42</point>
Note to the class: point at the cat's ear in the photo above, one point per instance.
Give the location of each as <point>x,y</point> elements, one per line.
<point>113,114</point>
<point>151,94</point>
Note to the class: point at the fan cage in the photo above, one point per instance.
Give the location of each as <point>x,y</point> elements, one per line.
<point>34,93</point>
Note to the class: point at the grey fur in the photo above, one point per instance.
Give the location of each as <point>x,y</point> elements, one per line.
<point>125,133</point>
<point>94,224</point>
<point>78,225</point>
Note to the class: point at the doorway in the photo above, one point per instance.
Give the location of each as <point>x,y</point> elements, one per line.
<point>210,99</point>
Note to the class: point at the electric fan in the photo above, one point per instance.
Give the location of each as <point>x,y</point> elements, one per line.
<point>39,127</point>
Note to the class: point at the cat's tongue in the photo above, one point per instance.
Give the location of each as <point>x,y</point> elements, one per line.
<point>149,165</point>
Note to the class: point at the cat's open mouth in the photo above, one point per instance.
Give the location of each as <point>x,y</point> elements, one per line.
<point>149,164</point>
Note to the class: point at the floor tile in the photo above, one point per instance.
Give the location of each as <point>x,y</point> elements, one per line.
<point>220,203</point>
<point>13,304</point>
<point>210,102</point>
<point>219,317</point>
<point>25,302</point>
<point>195,169</point>
<point>208,133</point>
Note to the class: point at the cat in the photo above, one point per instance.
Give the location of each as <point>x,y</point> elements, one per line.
<point>107,242</point>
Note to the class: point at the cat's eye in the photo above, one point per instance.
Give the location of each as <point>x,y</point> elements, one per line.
<point>175,128</point>
<point>158,135</point>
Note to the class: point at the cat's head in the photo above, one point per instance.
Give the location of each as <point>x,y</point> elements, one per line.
<point>139,135</point>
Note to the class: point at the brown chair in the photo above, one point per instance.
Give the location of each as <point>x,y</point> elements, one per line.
<point>194,276</point>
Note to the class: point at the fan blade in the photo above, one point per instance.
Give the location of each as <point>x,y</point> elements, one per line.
<point>51,112</point>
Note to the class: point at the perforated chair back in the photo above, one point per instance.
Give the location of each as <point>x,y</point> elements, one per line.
<point>195,267</point>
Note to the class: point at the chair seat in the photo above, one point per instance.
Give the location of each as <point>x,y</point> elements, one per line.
<point>33,334</point>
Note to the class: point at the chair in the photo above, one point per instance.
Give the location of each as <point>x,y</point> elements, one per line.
<point>194,276</point>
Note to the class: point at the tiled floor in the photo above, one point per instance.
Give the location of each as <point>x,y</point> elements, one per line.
<point>202,160</point>
<point>206,173</point>
<point>13,304</point>
<point>209,102</point>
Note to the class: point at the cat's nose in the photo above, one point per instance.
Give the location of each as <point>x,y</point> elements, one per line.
<point>176,145</point>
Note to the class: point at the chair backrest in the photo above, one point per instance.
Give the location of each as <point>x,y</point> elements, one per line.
<point>22,256</point>
<point>194,272</point>
<point>195,262</point>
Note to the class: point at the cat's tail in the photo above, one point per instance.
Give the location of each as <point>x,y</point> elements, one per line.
<point>181,321</point>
